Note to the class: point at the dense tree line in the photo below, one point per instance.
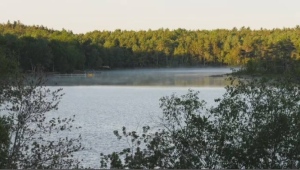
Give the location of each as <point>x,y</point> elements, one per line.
<point>64,51</point>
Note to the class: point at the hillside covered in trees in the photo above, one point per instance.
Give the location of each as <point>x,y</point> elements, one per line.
<point>63,51</point>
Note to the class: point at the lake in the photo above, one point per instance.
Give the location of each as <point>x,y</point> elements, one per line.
<point>101,109</point>
<point>145,77</point>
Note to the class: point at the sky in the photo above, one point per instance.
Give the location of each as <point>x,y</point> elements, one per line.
<point>81,16</point>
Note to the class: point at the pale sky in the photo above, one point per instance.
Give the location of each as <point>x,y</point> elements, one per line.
<point>82,16</point>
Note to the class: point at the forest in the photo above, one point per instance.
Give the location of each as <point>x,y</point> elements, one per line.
<point>63,51</point>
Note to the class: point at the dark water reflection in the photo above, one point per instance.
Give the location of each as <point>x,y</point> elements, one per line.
<point>197,77</point>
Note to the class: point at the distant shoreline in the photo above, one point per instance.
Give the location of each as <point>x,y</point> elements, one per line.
<point>145,77</point>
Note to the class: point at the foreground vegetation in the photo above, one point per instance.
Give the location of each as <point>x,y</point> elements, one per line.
<point>27,132</point>
<point>256,124</point>
<point>65,52</point>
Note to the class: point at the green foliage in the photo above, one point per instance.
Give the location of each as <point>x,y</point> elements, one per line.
<point>4,141</point>
<point>26,102</point>
<point>62,51</point>
<point>254,125</point>
<point>258,124</point>
<point>7,66</point>
<point>181,142</point>
<point>35,53</point>
<point>280,58</point>
<point>27,139</point>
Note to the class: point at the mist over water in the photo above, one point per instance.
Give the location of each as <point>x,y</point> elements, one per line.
<point>131,99</point>
<point>146,77</point>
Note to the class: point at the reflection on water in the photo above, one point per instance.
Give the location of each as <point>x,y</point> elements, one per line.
<point>148,77</point>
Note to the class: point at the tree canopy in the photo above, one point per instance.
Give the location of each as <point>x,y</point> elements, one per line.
<point>63,51</point>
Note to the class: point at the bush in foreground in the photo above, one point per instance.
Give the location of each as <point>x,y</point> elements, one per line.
<point>256,124</point>
<point>26,132</point>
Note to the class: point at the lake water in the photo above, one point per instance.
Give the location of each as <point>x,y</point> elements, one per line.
<point>101,109</point>
<point>146,77</point>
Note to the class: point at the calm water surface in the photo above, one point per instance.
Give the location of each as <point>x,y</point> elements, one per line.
<point>102,109</point>
<point>146,77</point>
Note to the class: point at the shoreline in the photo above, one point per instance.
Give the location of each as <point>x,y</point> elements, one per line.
<point>145,77</point>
